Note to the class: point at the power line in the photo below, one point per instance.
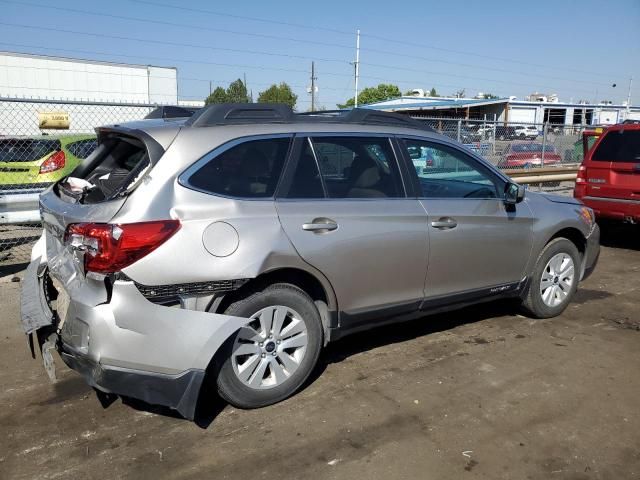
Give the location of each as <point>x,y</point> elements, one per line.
<point>174,44</point>
<point>468,65</point>
<point>242,17</point>
<point>176,24</point>
<point>475,54</point>
<point>165,59</point>
<point>372,36</point>
<point>298,40</point>
<point>507,82</point>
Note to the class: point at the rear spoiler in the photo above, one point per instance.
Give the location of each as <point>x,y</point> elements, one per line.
<point>171,111</point>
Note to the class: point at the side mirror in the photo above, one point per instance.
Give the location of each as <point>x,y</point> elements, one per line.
<point>513,193</point>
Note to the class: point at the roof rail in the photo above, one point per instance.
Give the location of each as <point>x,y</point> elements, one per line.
<point>241,113</point>
<point>248,113</point>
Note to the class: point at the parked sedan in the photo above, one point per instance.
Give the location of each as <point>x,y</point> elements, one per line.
<point>530,154</point>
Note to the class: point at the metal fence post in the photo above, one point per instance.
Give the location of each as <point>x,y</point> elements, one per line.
<point>459,128</point>
<point>545,126</point>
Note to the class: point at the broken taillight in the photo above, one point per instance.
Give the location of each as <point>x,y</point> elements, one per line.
<point>111,247</point>
<point>53,163</point>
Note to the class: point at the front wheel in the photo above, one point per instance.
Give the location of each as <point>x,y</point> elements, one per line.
<point>270,358</point>
<point>554,280</point>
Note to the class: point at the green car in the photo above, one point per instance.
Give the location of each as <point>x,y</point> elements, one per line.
<point>39,161</point>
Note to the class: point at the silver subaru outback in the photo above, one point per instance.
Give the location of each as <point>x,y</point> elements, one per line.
<point>238,242</point>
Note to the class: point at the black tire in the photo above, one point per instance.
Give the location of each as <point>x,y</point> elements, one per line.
<point>230,387</point>
<point>533,303</point>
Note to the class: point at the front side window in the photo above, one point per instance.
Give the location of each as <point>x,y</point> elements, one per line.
<point>446,172</point>
<point>248,170</point>
<point>619,146</point>
<point>358,167</point>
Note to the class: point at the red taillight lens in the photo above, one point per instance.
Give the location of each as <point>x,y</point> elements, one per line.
<point>582,175</point>
<point>111,247</point>
<point>53,163</point>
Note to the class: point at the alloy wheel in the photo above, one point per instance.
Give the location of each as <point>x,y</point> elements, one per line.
<point>557,279</point>
<point>270,348</point>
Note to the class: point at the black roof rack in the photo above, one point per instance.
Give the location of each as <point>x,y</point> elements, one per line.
<point>248,113</point>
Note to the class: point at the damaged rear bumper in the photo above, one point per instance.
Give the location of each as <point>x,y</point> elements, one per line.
<point>179,392</point>
<point>122,343</point>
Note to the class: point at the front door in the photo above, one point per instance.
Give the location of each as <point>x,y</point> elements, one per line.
<point>354,223</point>
<point>478,245</point>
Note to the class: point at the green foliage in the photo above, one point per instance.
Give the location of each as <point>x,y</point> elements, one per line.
<point>433,93</point>
<point>219,95</point>
<point>278,94</point>
<point>489,96</point>
<point>235,93</point>
<point>383,91</point>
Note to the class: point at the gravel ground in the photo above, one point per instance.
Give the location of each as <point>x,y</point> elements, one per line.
<point>477,393</point>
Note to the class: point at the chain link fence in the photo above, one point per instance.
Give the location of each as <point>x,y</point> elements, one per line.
<point>516,145</point>
<point>42,141</point>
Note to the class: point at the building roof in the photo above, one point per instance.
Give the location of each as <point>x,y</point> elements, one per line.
<point>79,60</point>
<point>432,103</point>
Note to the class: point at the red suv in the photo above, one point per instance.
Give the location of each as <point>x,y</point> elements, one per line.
<point>609,178</point>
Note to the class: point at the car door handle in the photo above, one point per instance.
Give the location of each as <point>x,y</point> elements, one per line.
<point>444,223</point>
<point>320,225</point>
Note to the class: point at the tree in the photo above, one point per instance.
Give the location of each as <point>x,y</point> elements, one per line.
<point>460,93</point>
<point>489,96</point>
<point>433,93</point>
<point>383,91</point>
<point>278,94</point>
<point>237,92</point>
<point>219,95</point>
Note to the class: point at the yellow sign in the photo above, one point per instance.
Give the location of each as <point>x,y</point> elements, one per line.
<point>53,120</point>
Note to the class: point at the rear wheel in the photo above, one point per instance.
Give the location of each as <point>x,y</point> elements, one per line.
<point>270,358</point>
<point>555,279</point>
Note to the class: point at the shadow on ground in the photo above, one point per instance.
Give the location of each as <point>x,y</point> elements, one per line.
<point>620,235</point>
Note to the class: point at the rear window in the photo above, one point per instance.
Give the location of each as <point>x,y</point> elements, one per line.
<point>531,147</point>
<point>26,150</point>
<point>248,170</point>
<point>82,148</point>
<point>619,146</point>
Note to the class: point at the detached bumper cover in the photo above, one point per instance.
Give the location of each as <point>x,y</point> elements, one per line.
<point>179,392</point>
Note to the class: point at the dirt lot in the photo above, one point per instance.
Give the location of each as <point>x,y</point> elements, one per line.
<point>479,393</point>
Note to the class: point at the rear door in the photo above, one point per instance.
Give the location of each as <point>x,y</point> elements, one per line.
<point>613,166</point>
<point>477,245</point>
<point>342,203</point>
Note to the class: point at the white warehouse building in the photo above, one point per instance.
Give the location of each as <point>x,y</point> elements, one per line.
<point>88,93</point>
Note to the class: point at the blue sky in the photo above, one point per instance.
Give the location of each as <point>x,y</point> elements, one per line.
<point>577,49</point>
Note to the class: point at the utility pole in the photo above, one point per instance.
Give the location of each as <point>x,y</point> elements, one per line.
<point>210,91</point>
<point>629,95</point>
<point>357,65</point>
<point>313,87</point>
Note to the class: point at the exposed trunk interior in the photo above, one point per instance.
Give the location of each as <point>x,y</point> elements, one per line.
<point>111,171</point>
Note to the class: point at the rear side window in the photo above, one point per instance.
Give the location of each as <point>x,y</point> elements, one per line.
<point>619,146</point>
<point>358,167</point>
<point>26,150</point>
<point>248,170</point>
<point>82,148</point>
